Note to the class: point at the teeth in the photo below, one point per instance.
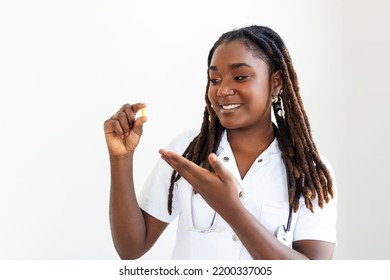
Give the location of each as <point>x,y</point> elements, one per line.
<point>230,106</point>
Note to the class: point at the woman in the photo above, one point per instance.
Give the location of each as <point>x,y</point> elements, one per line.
<point>244,187</point>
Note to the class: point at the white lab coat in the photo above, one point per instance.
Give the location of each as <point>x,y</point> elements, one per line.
<point>263,191</point>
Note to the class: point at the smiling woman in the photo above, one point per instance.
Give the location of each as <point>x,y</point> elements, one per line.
<point>235,183</point>
<point>235,69</point>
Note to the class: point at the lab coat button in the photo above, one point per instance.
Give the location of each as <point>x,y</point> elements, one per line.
<point>259,160</point>
<point>241,194</point>
<point>235,238</point>
<point>225,159</point>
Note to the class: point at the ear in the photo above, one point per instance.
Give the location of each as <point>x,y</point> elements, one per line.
<point>276,83</point>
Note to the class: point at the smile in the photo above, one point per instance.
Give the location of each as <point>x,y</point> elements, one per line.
<point>230,106</point>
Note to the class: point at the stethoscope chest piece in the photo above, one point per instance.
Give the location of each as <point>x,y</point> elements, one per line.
<point>284,236</point>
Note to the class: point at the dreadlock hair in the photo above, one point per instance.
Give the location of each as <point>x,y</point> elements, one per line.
<point>308,175</point>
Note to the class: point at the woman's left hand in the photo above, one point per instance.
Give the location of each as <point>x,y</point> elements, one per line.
<point>218,189</point>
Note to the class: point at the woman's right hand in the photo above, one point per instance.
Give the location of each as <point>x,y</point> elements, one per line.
<point>123,131</point>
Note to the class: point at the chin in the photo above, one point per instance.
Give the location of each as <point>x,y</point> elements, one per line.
<point>231,126</point>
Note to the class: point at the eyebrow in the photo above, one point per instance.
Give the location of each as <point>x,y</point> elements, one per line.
<point>231,66</point>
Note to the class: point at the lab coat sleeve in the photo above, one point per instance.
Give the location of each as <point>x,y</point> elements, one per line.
<point>320,225</point>
<point>153,197</point>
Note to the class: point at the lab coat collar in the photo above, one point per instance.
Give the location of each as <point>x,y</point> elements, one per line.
<point>225,154</point>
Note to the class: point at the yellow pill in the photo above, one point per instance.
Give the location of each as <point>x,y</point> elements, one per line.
<point>143,112</point>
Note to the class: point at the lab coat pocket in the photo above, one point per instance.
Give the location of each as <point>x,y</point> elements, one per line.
<point>272,217</point>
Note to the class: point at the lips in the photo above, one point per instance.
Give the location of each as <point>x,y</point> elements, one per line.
<point>230,106</point>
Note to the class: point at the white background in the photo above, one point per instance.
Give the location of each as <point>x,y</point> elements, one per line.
<point>66,66</point>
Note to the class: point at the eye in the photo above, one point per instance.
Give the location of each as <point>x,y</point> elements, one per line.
<point>214,81</point>
<point>240,78</point>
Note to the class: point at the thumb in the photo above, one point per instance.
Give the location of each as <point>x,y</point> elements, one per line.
<point>138,125</point>
<point>219,169</point>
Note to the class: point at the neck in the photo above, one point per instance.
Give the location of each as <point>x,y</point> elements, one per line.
<point>251,140</point>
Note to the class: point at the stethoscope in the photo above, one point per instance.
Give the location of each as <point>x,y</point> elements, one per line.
<point>195,227</point>
<point>283,234</point>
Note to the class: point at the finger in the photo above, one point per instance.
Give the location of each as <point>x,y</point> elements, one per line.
<point>132,107</point>
<point>138,125</point>
<point>113,126</point>
<point>219,169</point>
<point>187,169</point>
<point>131,111</point>
<point>121,110</point>
<point>124,123</point>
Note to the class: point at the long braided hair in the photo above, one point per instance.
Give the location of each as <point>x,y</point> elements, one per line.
<point>308,175</point>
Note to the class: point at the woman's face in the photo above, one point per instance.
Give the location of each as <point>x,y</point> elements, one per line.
<point>241,87</point>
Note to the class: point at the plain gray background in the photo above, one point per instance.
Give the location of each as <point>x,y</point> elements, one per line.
<point>66,66</point>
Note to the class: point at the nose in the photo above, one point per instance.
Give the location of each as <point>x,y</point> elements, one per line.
<point>225,91</point>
